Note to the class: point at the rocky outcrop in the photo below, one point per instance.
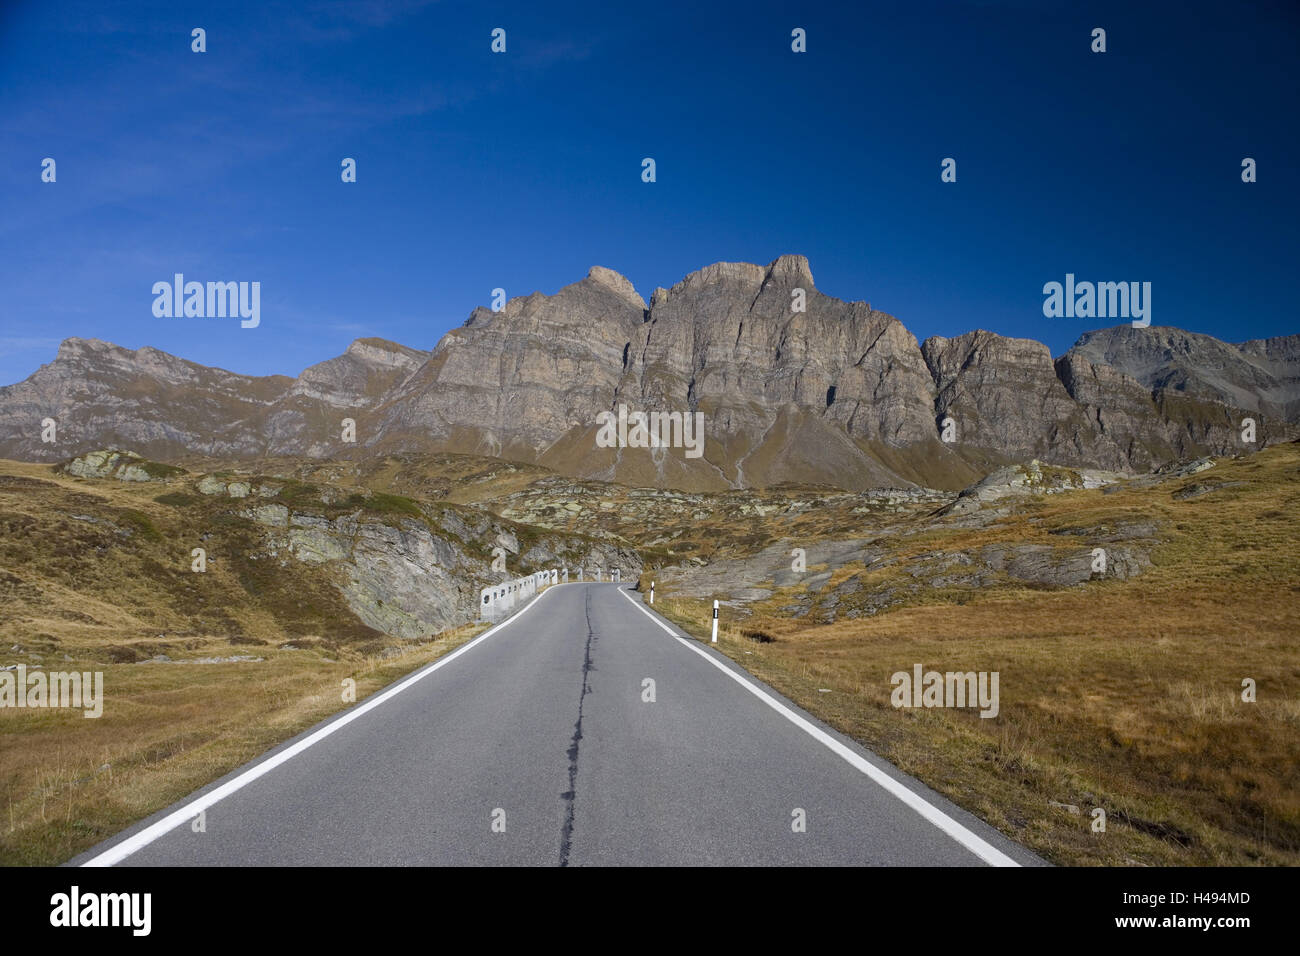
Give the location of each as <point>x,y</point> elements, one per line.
<point>412,576</point>
<point>856,577</point>
<point>402,568</point>
<point>401,579</point>
<point>1063,568</point>
<point>1020,481</point>
<point>122,465</point>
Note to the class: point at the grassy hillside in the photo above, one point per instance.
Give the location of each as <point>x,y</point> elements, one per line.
<point>202,672</point>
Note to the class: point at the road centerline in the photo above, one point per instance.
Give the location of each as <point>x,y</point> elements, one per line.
<point>570,798</point>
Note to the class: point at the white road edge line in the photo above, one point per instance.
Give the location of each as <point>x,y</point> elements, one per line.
<point>119,852</point>
<point>976,844</point>
<point>644,610</point>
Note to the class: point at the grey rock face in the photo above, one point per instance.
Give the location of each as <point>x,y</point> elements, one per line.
<point>1261,376</point>
<point>1040,564</point>
<point>1126,419</point>
<point>1162,394</point>
<point>787,395</point>
<point>367,372</point>
<point>737,579</point>
<point>1004,396</point>
<point>101,396</point>
<point>405,580</point>
<point>409,578</point>
<point>511,384</point>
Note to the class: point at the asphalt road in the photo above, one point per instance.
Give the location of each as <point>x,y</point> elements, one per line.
<point>534,745</point>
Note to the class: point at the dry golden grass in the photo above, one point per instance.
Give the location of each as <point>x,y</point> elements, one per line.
<point>454,478</point>
<point>167,730</point>
<point>1123,695</point>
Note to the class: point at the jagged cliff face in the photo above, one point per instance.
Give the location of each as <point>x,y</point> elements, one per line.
<point>1260,376</point>
<point>806,396</point>
<point>1003,395</point>
<point>511,384</point>
<point>837,393</point>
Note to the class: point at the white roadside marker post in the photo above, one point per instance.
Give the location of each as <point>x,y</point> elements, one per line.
<point>652,592</point>
<point>715,622</point>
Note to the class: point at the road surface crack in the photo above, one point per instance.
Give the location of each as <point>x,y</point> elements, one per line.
<point>566,838</point>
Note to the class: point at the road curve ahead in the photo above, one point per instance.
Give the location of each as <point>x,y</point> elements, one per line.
<point>538,744</point>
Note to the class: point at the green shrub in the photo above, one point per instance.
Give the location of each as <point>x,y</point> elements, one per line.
<point>298,491</point>
<point>141,524</point>
<point>385,503</point>
<point>156,469</point>
<point>176,499</point>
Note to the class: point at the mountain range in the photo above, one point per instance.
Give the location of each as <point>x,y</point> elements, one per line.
<point>839,394</point>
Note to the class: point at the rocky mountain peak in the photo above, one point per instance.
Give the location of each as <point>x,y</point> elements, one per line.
<point>618,282</point>
<point>740,272</point>
<point>361,376</point>
<point>946,356</point>
<point>1260,376</point>
<point>376,351</point>
<point>790,270</point>
<point>74,348</point>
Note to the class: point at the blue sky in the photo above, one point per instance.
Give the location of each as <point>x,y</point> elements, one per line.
<point>522,170</point>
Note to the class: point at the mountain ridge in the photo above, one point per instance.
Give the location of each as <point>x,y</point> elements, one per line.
<point>839,393</point>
